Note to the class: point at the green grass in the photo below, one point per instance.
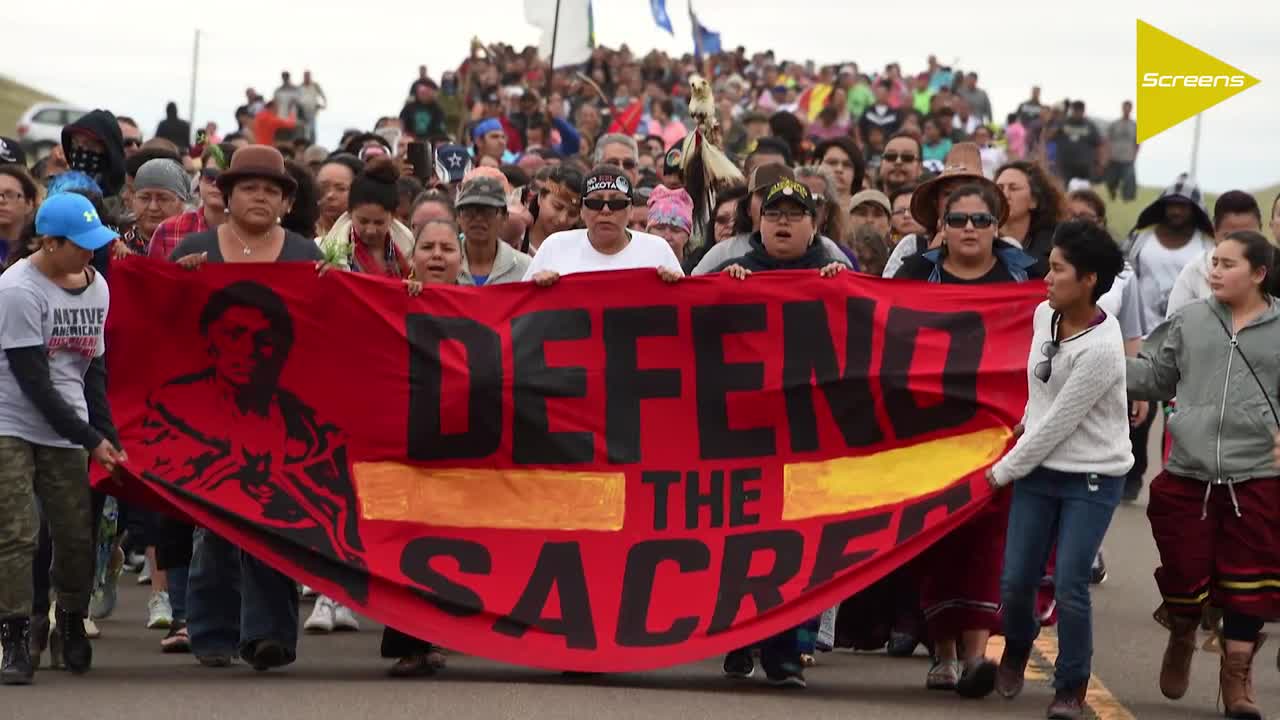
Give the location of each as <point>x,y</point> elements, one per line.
<point>15,98</point>
<point>1122,216</point>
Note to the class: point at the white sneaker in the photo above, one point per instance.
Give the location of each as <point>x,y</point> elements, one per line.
<point>91,630</point>
<point>321,619</point>
<point>344,620</point>
<point>159,611</point>
<point>308,591</point>
<point>144,577</point>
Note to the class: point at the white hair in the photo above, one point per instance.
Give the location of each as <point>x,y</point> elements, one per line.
<point>616,139</point>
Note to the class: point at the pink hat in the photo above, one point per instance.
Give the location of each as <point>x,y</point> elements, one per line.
<point>671,207</point>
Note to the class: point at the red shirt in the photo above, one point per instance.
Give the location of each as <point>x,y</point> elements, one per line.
<point>170,232</point>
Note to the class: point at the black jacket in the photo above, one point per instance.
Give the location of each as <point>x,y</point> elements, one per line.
<point>759,259</point>
<point>176,131</point>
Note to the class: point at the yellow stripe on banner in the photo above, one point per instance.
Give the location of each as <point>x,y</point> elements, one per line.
<point>1255,585</point>
<point>843,485</point>
<point>506,499</point>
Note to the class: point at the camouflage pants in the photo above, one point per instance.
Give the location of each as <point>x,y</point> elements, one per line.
<point>60,478</point>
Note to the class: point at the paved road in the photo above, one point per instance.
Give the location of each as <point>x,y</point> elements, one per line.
<point>340,676</point>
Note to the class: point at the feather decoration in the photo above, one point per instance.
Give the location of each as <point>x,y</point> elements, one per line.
<point>706,167</point>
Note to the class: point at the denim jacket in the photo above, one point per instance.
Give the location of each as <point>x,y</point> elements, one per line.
<point>1014,259</point>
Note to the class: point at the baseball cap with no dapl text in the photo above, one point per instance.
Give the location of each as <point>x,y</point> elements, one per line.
<point>71,216</point>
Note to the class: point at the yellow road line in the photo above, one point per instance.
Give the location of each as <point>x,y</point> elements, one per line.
<point>1102,704</point>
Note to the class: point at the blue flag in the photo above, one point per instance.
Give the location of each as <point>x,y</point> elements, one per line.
<point>660,15</point>
<point>704,41</point>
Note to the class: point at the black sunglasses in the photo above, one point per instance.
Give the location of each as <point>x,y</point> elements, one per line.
<point>1044,369</point>
<point>598,204</point>
<point>895,157</point>
<point>625,164</point>
<point>981,220</point>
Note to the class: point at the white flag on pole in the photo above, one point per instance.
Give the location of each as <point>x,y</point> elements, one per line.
<point>575,37</point>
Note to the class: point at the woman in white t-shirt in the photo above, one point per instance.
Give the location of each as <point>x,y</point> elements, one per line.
<point>606,243</point>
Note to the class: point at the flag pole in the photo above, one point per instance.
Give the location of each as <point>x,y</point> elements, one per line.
<point>195,69</point>
<point>555,31</point>
<point>1195,147</point>
<point>551,71</point>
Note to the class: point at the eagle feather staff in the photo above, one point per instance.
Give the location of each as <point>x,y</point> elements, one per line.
<point>706,167</point>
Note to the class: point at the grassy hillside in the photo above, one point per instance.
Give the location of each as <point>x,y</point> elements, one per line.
<point>15,98</point>
<point>1121,216</point>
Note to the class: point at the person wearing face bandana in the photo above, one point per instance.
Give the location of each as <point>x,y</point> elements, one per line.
<point>94,145</point>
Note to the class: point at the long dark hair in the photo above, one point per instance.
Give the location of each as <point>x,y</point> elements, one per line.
<point>305,212</point>
<point>1051,202</point>
<point>1259,254</point>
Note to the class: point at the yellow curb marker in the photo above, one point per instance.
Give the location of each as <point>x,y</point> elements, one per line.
<point>1102,704</point>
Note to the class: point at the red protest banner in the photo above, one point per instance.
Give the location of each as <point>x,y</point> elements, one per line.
<point>611,474</point>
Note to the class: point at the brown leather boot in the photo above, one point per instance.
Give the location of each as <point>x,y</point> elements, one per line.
<point>1235,680</point>
<point>1175,669</point>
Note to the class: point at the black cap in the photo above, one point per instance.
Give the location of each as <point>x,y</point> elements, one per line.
<point>607,177</point>
<point>788,190</point>
<point>11,152</point>
<point>673,161</point>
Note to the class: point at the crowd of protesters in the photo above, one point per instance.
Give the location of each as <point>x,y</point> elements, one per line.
<point>905,176</point>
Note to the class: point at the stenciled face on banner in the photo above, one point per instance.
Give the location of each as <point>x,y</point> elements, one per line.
<point>255,446</point>
<point>611,475</point>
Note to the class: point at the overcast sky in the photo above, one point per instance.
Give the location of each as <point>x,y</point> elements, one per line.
<point>134,56</point>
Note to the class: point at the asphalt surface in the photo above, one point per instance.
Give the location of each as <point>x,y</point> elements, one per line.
<point>341,676</point>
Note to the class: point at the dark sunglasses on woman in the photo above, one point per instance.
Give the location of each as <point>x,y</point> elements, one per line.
<point>981,221</point>
<point>598,204</point>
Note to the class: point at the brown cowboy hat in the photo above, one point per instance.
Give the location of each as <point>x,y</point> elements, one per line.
<point>257,161</point>
<point>963,163</point>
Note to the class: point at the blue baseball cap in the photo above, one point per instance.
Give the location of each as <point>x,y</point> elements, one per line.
<point>72,216</point>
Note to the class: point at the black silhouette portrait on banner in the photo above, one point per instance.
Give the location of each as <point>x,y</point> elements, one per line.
<point>256,449</point>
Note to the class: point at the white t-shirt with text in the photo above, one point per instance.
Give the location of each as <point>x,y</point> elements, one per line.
<point>571,252</point>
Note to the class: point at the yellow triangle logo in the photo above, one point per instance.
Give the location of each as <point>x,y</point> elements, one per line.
<point>1177,81</point>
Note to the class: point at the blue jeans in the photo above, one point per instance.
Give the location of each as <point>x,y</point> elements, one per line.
<point>234,600</point>
<point>1071,511</point>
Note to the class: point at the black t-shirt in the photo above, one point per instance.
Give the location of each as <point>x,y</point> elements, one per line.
<point>998,274</point>
<point>1076,142</point>
<point>1029,111</point>
<point>918,267</point>
<point>296,248</point>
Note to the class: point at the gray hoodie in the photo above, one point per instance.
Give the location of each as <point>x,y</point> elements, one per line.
<point>1225,421</point>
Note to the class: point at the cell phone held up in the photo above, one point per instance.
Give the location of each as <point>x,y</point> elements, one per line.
<point>419,155</point>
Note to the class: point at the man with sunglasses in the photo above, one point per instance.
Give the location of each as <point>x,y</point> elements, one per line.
<point>620,150</point>
<point>132,135</point>
<point>900,165</point>
<point>606,243</point>
<point>209,215</point>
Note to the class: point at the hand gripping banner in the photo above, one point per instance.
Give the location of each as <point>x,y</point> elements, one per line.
<point>610,474</point>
